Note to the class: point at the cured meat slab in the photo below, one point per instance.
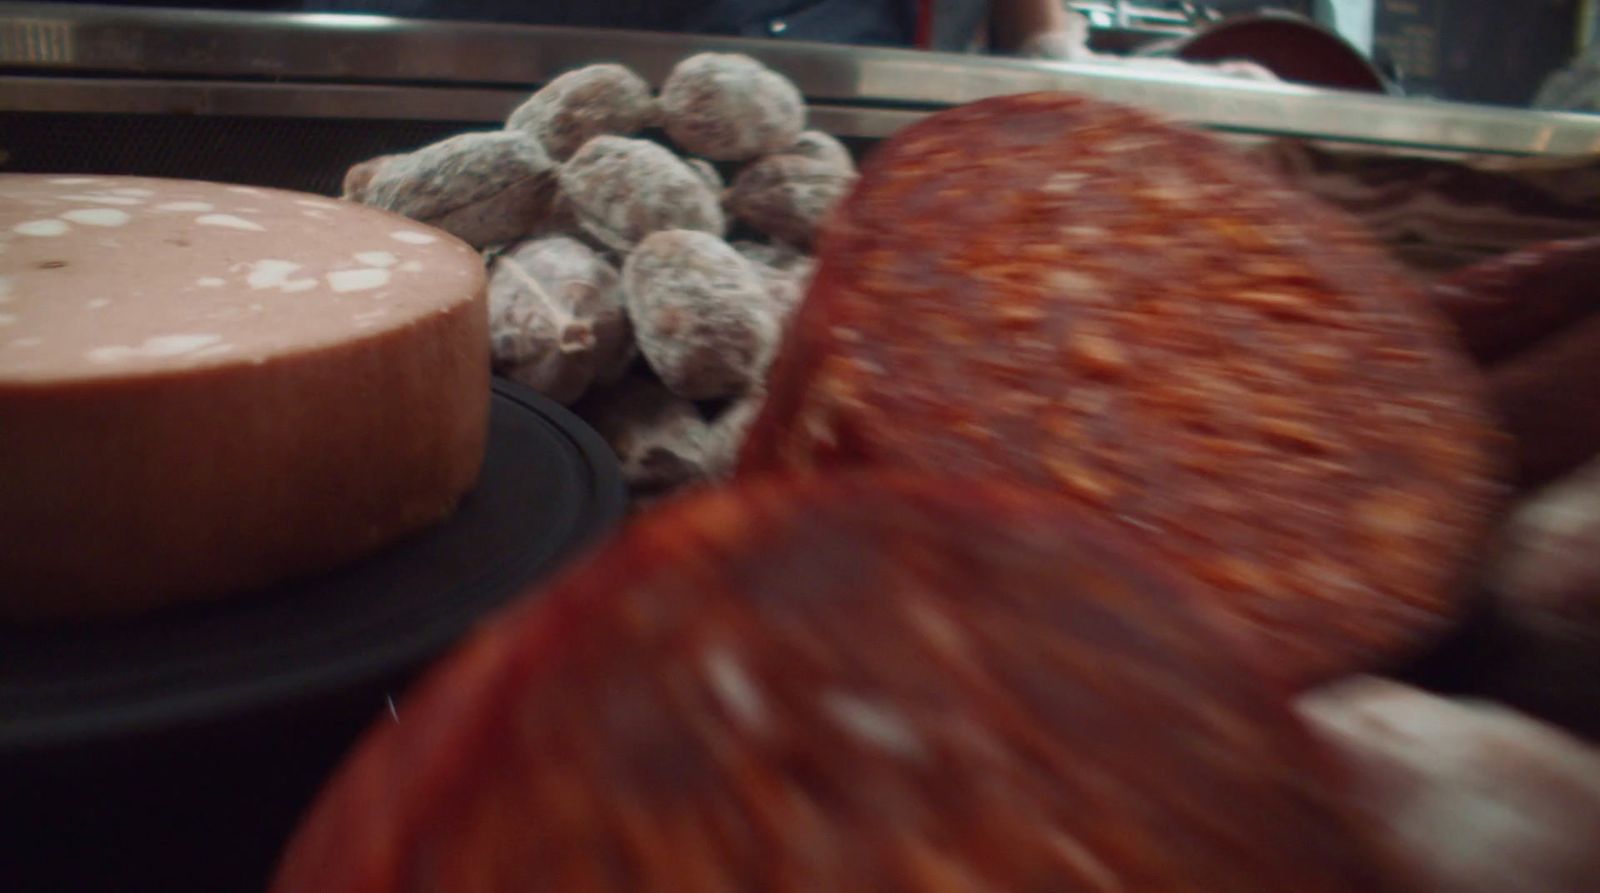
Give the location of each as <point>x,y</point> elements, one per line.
<point>864,684</point>
<point>208,388</point>
<point>1507,305</point>
<point>1052,290</point>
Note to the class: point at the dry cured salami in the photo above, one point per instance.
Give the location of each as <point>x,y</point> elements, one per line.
<point>1506,305</point>
<point>852,685</point>
<point>1549,400</point>
<point>1071,294</point>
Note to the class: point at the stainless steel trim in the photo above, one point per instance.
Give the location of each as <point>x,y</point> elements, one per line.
<point>66,39</point>
<point>158,97</point>
<point>471,106</point>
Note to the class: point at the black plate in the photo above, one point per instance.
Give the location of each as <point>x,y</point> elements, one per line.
<point>549,484</point>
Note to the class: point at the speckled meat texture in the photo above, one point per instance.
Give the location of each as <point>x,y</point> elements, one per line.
<point>729,107</point>
<point>973,692</point>
<point>787,196</point>
<point>1478,798</point>
<point>700,313</point>
<point>583,104</point>
<point>623,190</point>
<point>210,389</point>
<point>1067,293</point>
<point>1506,305</point>
<point>484,188</point>
<point>556,318</point>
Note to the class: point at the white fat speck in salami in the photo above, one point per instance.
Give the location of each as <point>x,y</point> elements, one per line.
<point>247,190</point>
<point>411,266</point>
<point>357,280</point>
<point>228,220</point>
<point>412,237</point>
<point>376,258</point>
<point>734,687</point>
<point>43,228</point>
<point>74,181</point>
<point>97,216</point>
<point>873,722</point>
<point>7,319</point>
<point>204,315</point>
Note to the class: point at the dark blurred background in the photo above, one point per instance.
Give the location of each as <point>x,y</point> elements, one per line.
<point>1490,51</point>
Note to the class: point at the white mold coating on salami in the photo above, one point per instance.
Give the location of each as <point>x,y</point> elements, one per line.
<point>707,172</point>
<point>700,314</point>
<point>484,188</point>
<point>785,271</point>
<point>359,177</point>
<point>1479,798</point>
<point>1546,569</point>
<point>556,317</point>
<point>819,146</point>
<point>622,190</point>
<point>788,196</point>
<point>660,438</point>
<point>583,104</point>
<point>729,107</point>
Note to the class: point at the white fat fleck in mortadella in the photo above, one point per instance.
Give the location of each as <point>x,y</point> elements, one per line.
<point>231,221</point>
<point>97,216</point>
<point>358,280</point>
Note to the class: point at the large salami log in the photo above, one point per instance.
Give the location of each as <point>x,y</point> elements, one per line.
<point>853,685</point>
<point>1506,305</point>
<point>1071,294</point>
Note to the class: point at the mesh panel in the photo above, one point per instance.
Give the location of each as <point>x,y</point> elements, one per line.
<point>308,154</point>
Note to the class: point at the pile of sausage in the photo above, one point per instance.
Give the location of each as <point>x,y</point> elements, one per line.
<point>605,246</point>
<point>1097,474</point>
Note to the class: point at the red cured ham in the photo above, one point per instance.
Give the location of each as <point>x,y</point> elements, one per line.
<point>855,685</point>
<point>1051,290</point>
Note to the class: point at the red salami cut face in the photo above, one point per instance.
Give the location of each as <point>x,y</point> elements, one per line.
<point>859,685</point>
<point>1050,290</point>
